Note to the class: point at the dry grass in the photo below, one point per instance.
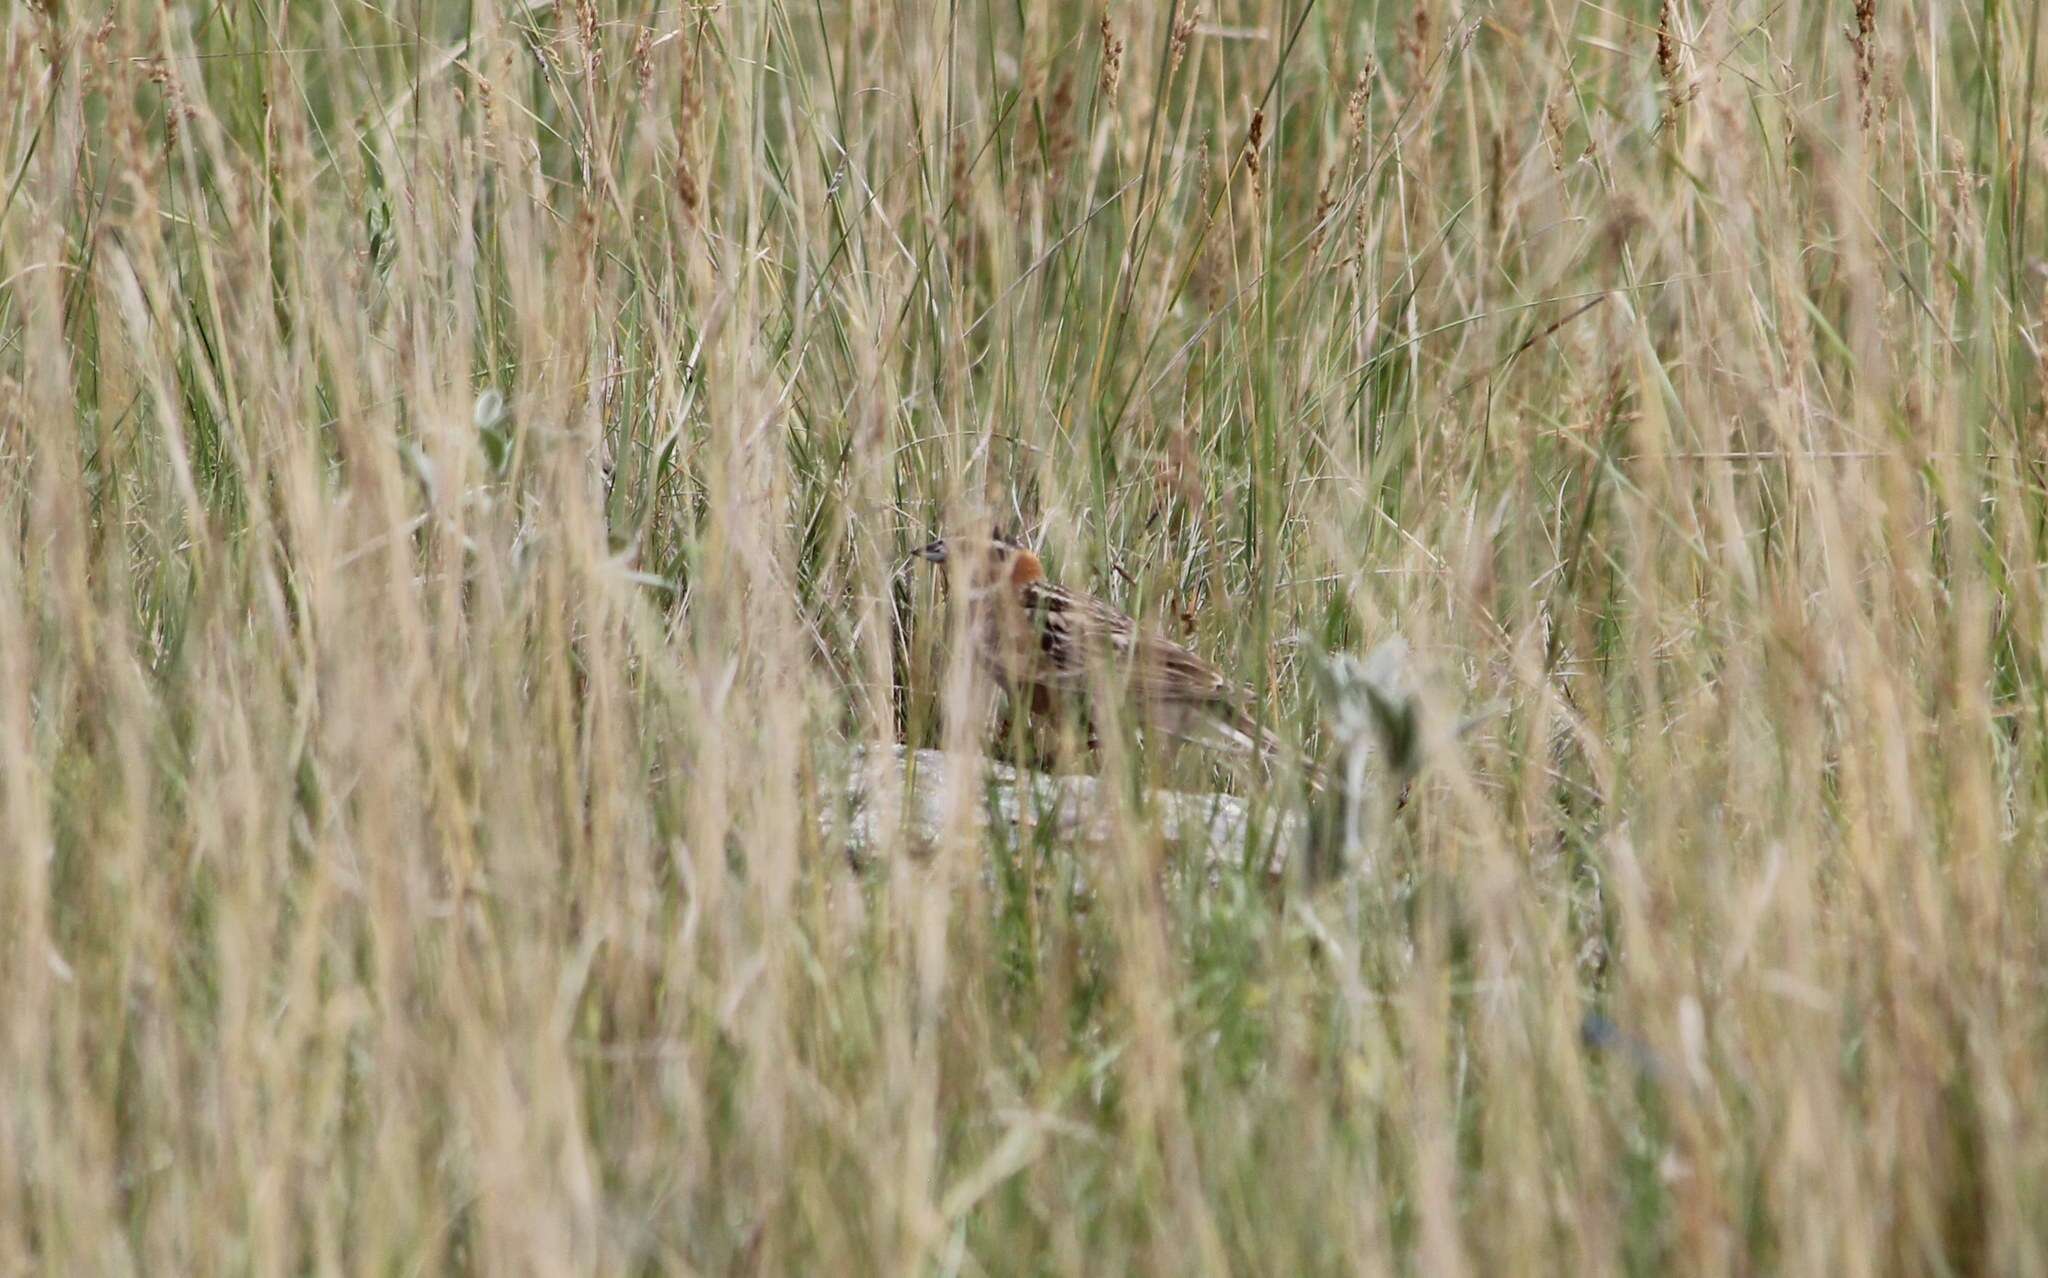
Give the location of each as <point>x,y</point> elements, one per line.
<point>407,805</point>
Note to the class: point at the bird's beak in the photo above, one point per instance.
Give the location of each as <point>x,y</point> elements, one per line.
<point>934,552</point>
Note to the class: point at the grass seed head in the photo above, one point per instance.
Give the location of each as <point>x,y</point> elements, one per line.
<point>1112,60</point>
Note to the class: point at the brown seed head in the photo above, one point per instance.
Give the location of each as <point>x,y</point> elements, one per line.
<point>1183,32</point>
<point>1112,59</point>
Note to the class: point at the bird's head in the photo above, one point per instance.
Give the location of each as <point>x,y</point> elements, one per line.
<point>983,563</point>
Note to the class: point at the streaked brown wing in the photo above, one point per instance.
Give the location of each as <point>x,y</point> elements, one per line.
<point>1075,633</point>
<point>1165,671</point>
<point>1079,633</point>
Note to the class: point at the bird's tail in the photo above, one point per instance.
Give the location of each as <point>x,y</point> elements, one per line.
<point>1245,735</point>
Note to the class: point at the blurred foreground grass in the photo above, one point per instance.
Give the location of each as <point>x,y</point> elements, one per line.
<point>454,464</point>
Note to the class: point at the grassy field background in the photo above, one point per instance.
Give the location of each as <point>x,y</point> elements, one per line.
<point>455,461</point>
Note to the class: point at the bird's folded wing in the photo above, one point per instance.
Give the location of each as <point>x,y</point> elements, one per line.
<point>1083,638</point>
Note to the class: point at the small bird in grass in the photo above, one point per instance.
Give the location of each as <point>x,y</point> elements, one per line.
<point>1043,644</point>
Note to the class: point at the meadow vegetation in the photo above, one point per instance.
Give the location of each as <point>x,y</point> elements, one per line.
<point>456,460</point>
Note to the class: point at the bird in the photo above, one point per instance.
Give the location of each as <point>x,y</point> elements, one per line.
<point>1044,644</point>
